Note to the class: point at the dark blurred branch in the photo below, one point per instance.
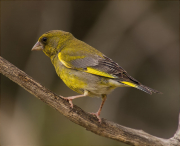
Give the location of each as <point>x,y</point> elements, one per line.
<point>80,117</point>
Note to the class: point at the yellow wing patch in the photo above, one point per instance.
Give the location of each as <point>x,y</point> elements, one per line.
<point>67,58</point>
<point>98,72</point>
<point>62,61</point>
<point>129,84</point>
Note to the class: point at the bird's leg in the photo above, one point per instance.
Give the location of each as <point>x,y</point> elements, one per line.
<point>73,97</point>
<point>97,114</point>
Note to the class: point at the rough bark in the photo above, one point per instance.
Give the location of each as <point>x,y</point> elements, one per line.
<point>77,115</point>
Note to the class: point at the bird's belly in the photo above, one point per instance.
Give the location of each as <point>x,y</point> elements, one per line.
<point>100,90</point>
<point>80,81</point>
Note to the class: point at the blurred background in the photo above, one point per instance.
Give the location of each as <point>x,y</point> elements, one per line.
<point>141,36</point>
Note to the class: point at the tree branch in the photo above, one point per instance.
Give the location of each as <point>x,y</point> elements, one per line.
<point>77,115</point>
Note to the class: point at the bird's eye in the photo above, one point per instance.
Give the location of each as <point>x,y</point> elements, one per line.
<point>44,39</point>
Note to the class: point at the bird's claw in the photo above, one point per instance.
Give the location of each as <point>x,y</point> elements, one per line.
<point>97,115</point>
<point>70,101</point>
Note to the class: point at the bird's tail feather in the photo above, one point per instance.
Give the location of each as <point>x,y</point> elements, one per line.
<point>147,89</point>
<point>141,87</point>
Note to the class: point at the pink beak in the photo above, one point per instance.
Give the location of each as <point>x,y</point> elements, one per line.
<point>38,46</point>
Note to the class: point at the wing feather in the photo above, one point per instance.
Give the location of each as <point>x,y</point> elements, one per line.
<point>94,64</point>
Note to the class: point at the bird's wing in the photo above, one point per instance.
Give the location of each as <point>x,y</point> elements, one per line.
<point>100,65</point>
<point>94,63</point>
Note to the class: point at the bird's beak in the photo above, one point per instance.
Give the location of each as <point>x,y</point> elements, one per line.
<point>38,46</point>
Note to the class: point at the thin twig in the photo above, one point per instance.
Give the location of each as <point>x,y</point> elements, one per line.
<point>77,115</point>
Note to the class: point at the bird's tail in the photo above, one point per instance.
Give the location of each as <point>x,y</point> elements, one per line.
<point>141,87</point>
<point>147,89</point>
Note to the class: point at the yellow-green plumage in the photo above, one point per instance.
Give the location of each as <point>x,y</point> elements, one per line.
<point>81,80</point>
<point>69,78</point>
<point>83,68</point>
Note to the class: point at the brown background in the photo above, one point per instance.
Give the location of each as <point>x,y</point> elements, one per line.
<point>141,36</point>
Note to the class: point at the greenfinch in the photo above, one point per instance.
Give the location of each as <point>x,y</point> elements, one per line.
<point>84,69</point>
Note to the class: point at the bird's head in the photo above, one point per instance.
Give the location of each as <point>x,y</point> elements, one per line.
<point>52,42</point>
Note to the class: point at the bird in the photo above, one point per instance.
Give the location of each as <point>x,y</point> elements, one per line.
<point>84,69</point>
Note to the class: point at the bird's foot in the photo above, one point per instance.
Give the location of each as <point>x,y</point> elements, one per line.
<point>70,101</point>
<point>97,115</point>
